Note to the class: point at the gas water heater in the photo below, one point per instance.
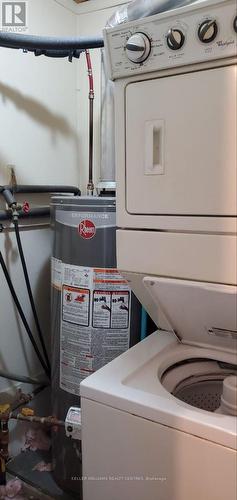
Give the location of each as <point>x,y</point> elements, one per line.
<point>95,317</point>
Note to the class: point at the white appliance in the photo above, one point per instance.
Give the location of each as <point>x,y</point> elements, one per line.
<point>158,422</point>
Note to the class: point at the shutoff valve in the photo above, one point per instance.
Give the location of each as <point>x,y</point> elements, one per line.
<point>73,423</point>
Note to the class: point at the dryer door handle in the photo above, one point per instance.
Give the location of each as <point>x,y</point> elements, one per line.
<point>154,147</point>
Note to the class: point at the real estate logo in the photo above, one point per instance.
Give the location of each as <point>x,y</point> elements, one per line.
<point>14,16</point>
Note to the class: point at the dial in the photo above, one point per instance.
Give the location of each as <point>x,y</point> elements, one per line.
<point>175,39</point>
<point>138,47</point>
<point>235,24</point>
<point>207,31</point>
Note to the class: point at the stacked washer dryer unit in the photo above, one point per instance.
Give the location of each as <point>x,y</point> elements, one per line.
<point>166,409</point>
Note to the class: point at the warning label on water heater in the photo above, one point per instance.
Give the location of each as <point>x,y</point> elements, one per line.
<point>76,305</point>
<point>95,322</point>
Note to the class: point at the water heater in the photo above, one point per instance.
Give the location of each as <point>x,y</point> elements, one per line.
<point>95,317</point>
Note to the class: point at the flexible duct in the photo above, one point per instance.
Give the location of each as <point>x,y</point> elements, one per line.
<point>139,9</point>
<point>107,163</point>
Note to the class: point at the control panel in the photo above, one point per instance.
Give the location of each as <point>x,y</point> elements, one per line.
<point>195,33</point>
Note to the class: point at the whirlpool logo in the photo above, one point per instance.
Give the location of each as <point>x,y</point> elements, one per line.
<point>14,16</point>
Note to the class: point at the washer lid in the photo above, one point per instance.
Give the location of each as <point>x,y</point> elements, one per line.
<point>202,314</point>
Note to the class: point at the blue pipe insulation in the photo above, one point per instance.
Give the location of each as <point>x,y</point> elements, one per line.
<point>144,320</point>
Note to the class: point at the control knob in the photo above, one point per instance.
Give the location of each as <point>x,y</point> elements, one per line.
<point>175,39</point>
<point>138,47</point>
<point>207,31</point>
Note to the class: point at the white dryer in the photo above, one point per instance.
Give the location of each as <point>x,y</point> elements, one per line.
<point>159,422</point>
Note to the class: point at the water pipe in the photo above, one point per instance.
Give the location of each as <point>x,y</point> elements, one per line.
<point>90,185</point>
<point>144,321</point>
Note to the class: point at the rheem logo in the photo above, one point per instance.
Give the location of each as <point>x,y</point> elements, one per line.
<point>87,229</point>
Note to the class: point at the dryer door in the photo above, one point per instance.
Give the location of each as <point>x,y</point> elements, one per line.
<point>181,144</point>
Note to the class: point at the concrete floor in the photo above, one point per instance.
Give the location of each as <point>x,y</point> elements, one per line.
<point>29,493</point>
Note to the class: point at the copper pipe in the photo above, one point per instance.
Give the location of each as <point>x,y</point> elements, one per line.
<point>49,421</point>
<point>4,451</point>
<point>90,185</point>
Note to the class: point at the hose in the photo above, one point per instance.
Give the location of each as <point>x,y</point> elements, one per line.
<point>22,315</point>
<point>90,74</point>
<point>29,289</point>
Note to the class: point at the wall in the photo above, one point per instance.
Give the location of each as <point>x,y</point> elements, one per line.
<point>39,137</point>
<point>44,134</point>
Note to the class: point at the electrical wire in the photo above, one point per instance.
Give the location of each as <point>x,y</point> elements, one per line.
<point>22,315</point>
<point>29,290</point>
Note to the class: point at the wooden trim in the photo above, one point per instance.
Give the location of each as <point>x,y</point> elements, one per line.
<point>71,6</point>
<point>85,7</point>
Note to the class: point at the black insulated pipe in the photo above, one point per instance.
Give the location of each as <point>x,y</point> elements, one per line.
<point>29,290</point>
<point>33,42</point>
<point>31,188</point>
<point>9,191</point>
<point>58,53</point>
<point>7,195</point>
<point>22,315</point>
<point>45,189</point>
<point>33,213</point>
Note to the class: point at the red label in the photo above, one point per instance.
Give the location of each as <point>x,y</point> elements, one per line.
<point>87,229</point>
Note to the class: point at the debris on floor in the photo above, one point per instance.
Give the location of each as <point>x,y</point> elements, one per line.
<point>12,489</point>
<point>42,484</point>
<point>43,467</point>
<point>36,439</point>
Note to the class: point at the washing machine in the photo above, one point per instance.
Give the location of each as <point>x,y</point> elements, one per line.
<point>159,422</point>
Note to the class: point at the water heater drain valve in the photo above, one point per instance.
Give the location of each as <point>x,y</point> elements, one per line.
<point>73,423</point>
